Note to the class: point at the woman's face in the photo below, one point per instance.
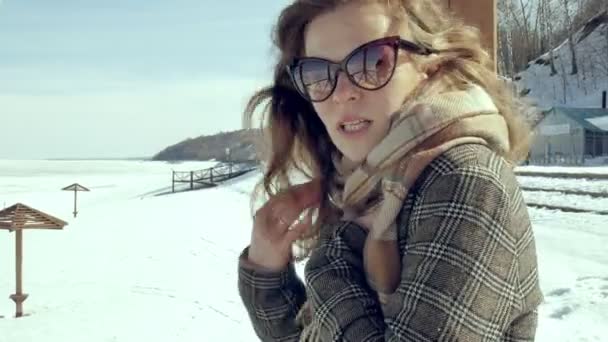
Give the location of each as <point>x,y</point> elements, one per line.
<point>357,119</point>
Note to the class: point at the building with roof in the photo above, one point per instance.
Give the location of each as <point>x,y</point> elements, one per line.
<point>571,136</point>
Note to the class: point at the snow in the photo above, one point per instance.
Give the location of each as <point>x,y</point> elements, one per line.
<point>574,201</point>
<point>581,90</point>
<point>137,267</point>
<point>573,272</point>
<point>600,122</point>
<point>565,184</point>
<point>564,169</point>
<point>128,268</point>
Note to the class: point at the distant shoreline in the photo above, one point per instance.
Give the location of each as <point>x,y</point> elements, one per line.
<point>101,159</point>
<point>83,159</point>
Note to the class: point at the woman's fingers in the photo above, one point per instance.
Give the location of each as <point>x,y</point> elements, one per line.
<point>299,227</point>
<point>277,224</point>
<point>284,209</point>
<point>304,195</point>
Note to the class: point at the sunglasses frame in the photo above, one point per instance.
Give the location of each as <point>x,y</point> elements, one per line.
<point>395,41</point>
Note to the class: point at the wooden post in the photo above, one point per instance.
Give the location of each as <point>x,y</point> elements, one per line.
<point>191,180</point>
<point>229,162</point>
<point>483,15</point>
<point>19,297</point>
<point>173,181</point>
<point>211,175</point>
<point>19,264</point>
<point>75,199</point>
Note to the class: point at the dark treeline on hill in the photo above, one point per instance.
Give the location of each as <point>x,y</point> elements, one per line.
<point>241,144</point>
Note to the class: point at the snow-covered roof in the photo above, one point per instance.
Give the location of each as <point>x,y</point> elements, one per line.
<point>601,122</point>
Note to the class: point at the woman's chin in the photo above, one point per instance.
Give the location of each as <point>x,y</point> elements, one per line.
<point>355,157</point>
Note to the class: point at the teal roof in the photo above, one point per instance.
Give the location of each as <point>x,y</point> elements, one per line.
<point>580,115</point>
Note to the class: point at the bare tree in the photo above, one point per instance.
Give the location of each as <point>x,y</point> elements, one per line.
<point>564,83</point>
<point>529,28</point>
<point>606,35</point>
<point>506,65</point>
<point>516,28</point>
<point>524,25</point>
<point>545,15</point>
<point>570,28</point>
<point>602,54</point>
<point>588,9</point>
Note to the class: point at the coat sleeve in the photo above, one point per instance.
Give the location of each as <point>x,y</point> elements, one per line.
<point>459,273</point>
<point>272,300</point>
<point>344,307</point>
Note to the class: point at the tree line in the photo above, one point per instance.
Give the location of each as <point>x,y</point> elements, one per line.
<point>530,28</point>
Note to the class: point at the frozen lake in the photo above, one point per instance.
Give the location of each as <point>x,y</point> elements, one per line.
<point>137,267</point>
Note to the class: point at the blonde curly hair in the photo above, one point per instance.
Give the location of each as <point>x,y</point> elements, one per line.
<point>294,137</point>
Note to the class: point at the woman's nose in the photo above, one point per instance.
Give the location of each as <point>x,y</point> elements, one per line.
<point>345,89</point>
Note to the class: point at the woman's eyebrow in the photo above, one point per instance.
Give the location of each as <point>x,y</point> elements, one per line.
<point>354,46</point>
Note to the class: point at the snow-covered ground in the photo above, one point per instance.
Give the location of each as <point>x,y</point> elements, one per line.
<point>583,89</point>
<point>592,170</point>
<point>564,169</point>
<point>557,199</point>
<point>138,267</point>
<point>595,186</point>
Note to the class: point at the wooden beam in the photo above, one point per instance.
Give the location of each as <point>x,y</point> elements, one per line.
<point>481,14</point>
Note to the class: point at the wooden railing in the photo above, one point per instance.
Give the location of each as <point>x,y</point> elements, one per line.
<point>211,176</point>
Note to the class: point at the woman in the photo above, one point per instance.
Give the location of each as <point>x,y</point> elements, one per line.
<point>393,110</point>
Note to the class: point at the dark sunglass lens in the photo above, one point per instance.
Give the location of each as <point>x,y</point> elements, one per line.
<point>372,66</point>
<point>314,79</point>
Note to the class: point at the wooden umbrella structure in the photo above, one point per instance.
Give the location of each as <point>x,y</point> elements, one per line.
<point>75,187</point>
<point>16,218</point>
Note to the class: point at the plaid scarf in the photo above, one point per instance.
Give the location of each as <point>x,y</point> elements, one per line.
<point>372,192</point>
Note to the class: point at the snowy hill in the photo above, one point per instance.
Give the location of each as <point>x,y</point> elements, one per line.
<point>241,144</point>
<point>583,89</point>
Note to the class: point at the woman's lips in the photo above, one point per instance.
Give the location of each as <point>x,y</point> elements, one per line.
<point>354,128</point>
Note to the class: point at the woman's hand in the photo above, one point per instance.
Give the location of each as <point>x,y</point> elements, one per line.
<point>280,222</point>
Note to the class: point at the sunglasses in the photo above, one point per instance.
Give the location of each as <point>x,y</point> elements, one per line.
<point>370,66</point>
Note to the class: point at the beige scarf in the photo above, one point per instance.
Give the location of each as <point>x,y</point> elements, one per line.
<point>372,193</point>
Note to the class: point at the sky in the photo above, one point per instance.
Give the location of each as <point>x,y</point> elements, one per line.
<point>127,78</point>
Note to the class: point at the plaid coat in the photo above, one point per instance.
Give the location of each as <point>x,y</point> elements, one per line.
<point>469,266</point>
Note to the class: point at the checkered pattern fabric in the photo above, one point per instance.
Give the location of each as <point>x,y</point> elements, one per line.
<point>468,257</point>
